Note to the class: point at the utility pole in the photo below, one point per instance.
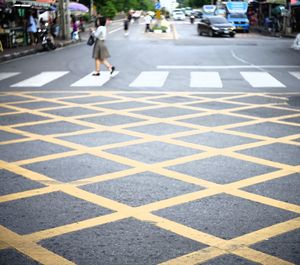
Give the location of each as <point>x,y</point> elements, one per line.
<point>91,8</point>
<point>64,19</point>
<point>67,17</point>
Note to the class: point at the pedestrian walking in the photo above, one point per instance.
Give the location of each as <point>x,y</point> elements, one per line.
<point>74,33</point>
<point>126,26</point>
<point>148,20</point>
<point>31,28</point>
<point>127,22</point>
<point>100,51</point>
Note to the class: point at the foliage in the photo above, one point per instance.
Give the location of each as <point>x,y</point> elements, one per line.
<point>86,17</point>
<point>111,7</point>
<point>196,3</point>
<point>107,10</point>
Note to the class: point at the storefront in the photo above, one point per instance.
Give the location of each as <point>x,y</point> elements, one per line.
<point>13,20</point>
<point>295,15</point>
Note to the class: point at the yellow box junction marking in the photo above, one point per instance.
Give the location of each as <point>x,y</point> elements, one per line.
<point>28,244</point>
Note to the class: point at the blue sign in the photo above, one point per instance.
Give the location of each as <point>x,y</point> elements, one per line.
<point>157,5</point>
<point>237,7</point>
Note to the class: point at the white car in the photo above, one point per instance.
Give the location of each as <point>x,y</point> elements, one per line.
<point>178,15</point>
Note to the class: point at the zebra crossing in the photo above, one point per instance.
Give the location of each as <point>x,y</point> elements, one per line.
<point>148,79</point>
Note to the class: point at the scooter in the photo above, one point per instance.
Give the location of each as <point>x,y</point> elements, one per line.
<point>45,39</point>
<point>192,19</point>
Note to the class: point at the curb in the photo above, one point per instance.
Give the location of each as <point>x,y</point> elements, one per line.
<point>14,55</point>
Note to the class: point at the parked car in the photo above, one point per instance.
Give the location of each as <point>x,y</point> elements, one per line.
<point>240,21</point>
<point>215,25</point>
<point>188,11</point>
<point>178,15</point>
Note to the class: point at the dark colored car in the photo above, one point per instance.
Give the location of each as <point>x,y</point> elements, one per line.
<point>197,14</point>
<point>215,25</point>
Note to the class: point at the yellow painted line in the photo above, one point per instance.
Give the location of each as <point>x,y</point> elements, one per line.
<point>265,200</point>
<point>27,173</point>
<point>218,246</point>
<point>196,257</point>
<point>105,177</point>
<point>180,229</point>
<point>175,33</point>
<point>9,113</point>
<point>22,140</point>
<point>47,157</point>
<point>259,257</point>
<point>3,245</point>
<point>96,199</point>
<point>261,161</point>
<point>31,249</point>
<point>267,232</point>
<point>181,199</point>
<point>27,194</point>
<point>90,223</point>
<point>238,247</point>
<point>259,179</point>
<point>185,178</point>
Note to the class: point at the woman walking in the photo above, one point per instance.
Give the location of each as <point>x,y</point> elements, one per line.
<point>100,51</point>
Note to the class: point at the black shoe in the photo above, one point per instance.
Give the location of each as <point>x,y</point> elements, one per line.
<point>112,70</point>
<point>96,74</point>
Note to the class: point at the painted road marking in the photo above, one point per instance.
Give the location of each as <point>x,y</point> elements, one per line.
<point>94,81</point>
<point>7,75</point>
<point>28,244</point>
<point>158,78</point>
<point>40,79</point>
<point>195,67</point>
<point>150,79</point>
<point>295,74</point>
<point>205,79</point>
<point>261,79</point>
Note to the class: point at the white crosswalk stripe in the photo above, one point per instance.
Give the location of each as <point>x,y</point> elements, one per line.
<point>40,79</point>
<point>150,79</point>
<point>7,75</point>
<point>295,74</point>
<point>153,79</point>
<point>261,79</point>
<point>205,79</point>
<point>94,81</point>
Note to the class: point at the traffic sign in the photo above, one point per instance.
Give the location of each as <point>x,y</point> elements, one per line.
<point>157,5</point>
<point>158,15</point>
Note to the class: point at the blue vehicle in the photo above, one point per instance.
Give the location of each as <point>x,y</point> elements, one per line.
<point>240,21</point>
<point>237,11</point>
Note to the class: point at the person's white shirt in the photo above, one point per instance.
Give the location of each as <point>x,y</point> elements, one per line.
<point>148,19</point>
<point>100,33</point>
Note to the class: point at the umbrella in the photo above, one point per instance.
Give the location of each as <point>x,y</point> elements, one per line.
<point>74,6</point>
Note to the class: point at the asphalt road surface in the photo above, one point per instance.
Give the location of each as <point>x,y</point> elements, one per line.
<point>188,154</point>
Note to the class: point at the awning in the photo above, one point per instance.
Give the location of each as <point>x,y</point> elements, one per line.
<point>37,4</point>
<point>278,2</point>
<point>295,2</point>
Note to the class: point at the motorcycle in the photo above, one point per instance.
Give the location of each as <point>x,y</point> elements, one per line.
<point>192,19</point>
<point>45,38</point>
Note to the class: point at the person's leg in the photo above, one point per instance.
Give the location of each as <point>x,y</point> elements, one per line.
<point>98,64</point>
<point>110,67</point>
<point>31,38</point>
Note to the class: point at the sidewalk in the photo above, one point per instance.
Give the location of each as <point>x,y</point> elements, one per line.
<point>264,31</point>
<point>9,54</point>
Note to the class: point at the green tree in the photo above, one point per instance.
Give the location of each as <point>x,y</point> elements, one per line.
<point>126,5</point>
<point>107,10</point>
<point>199,3</point>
